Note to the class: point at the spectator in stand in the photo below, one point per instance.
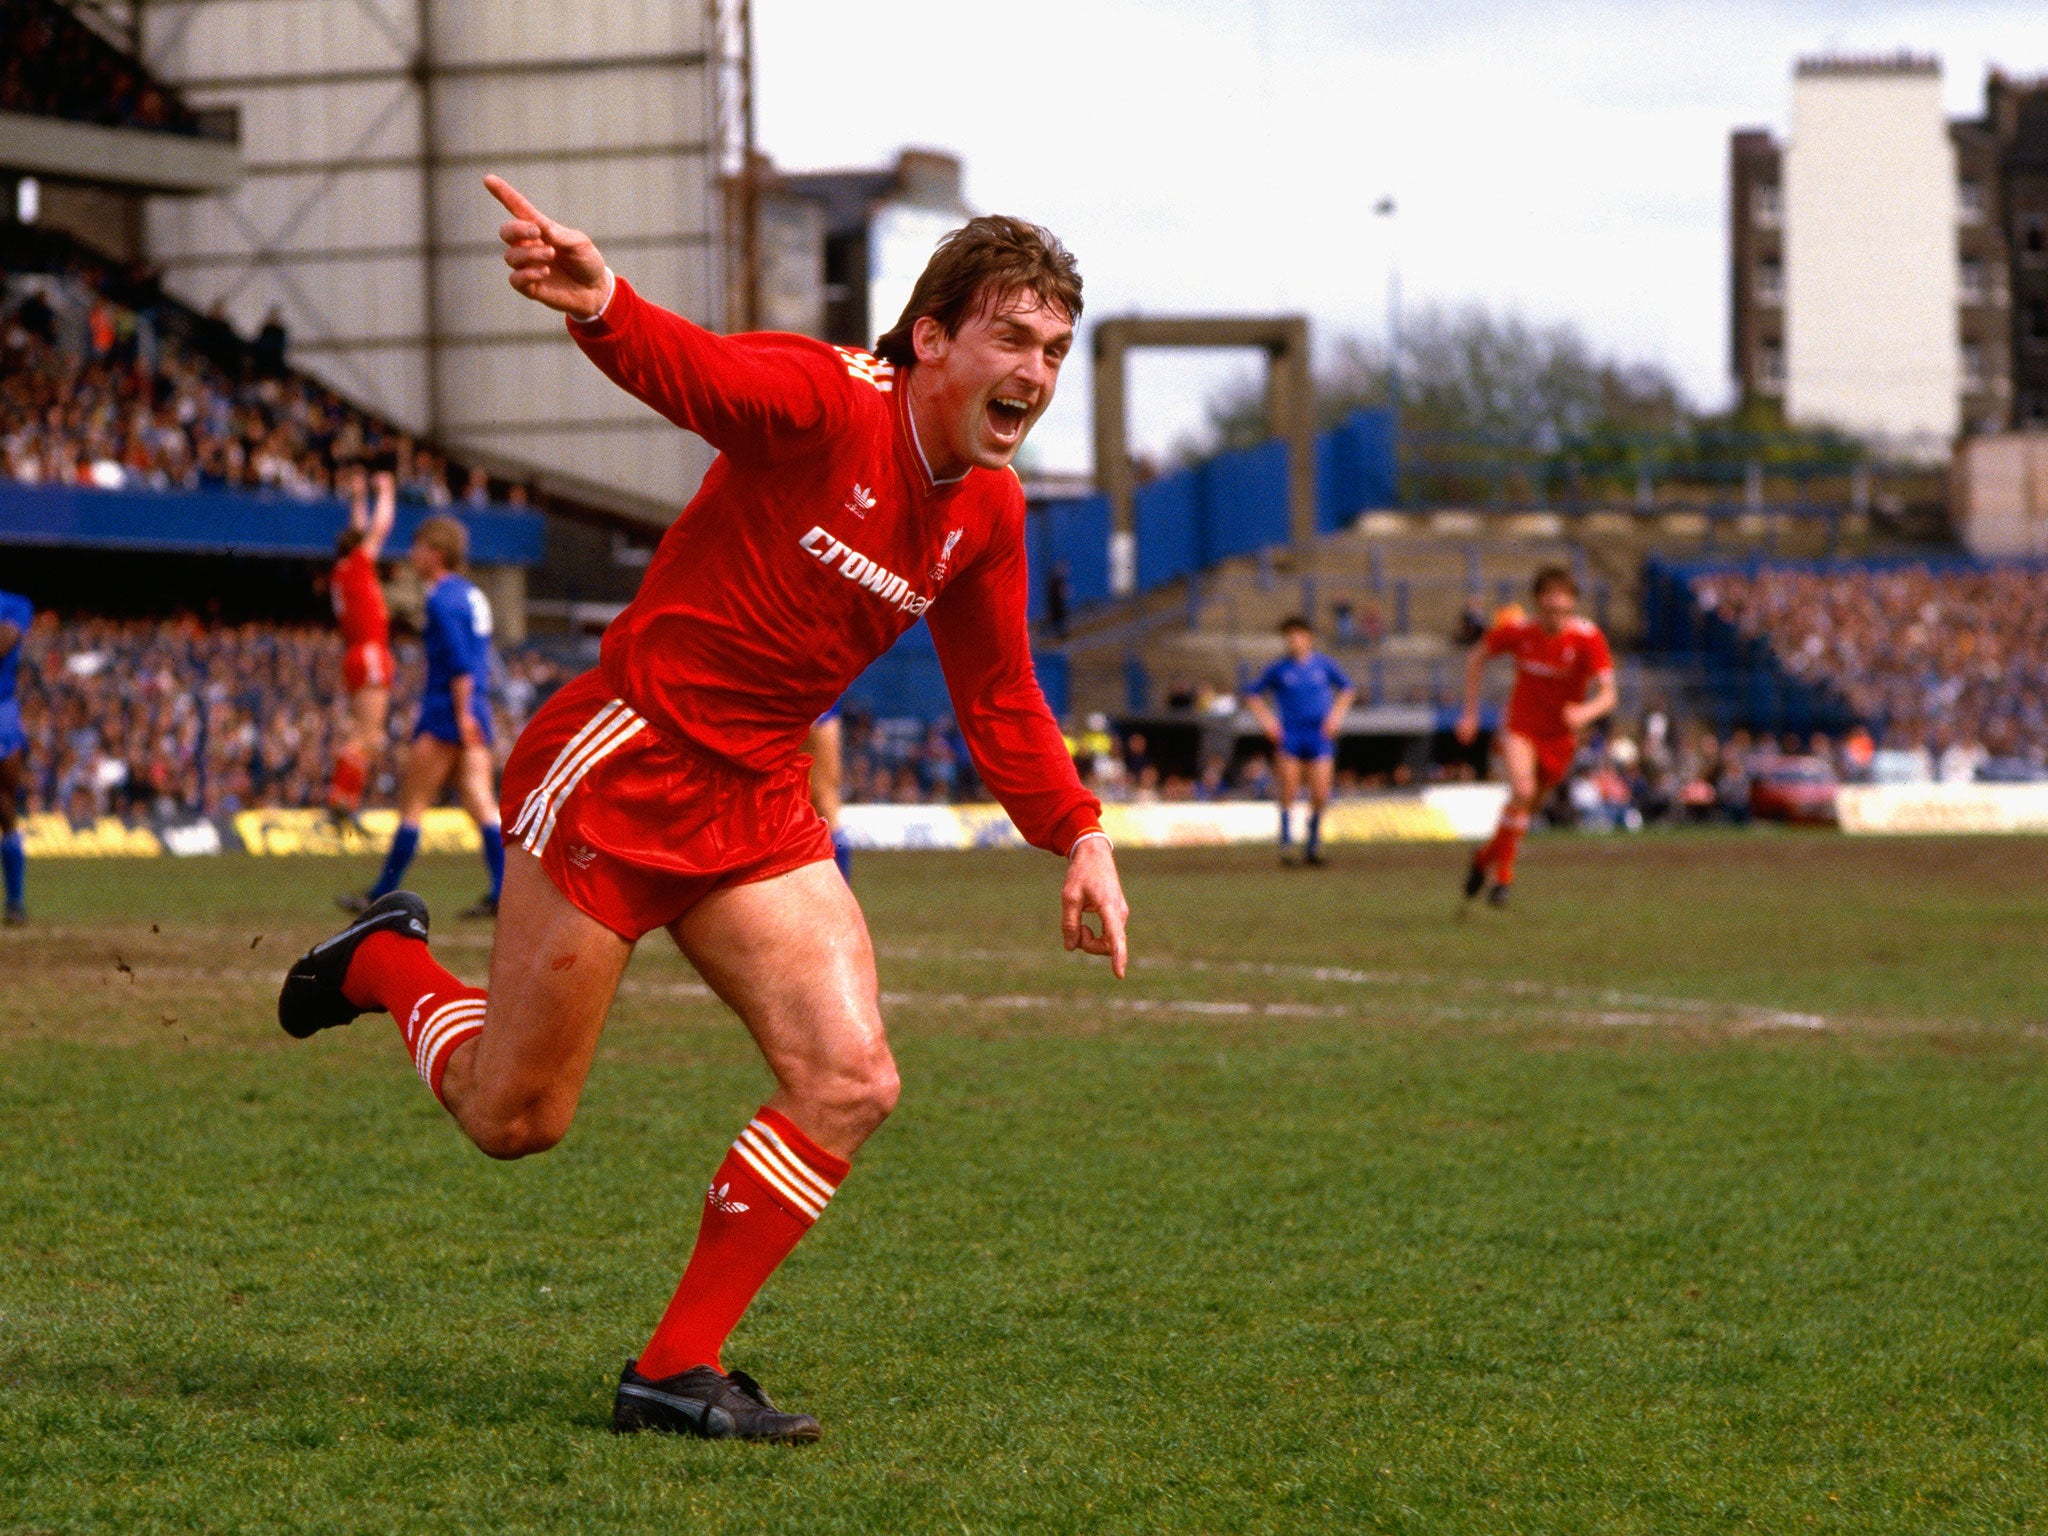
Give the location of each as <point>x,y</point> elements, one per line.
<point>56,66</point>
<point>172,718</point>
<point>1919,652</point>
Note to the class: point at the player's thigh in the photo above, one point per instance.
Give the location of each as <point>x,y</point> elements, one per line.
<point>1287,774</point>
<point>554,970</point>
<point>13,769</point>
<point>1322,773</point>
<point>428,762</point>
<point>370,707</point>
<point>475,784</point>
<point>1518,757</point>
<point>791,956</point>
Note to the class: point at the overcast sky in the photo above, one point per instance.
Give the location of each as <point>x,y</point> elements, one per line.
<point>1560,159</point>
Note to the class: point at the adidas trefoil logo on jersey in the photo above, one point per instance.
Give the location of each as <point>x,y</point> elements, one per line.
<point>720,1196</point>
<point>938,572</point>
<point>581,856</point>
<point>863,501</point>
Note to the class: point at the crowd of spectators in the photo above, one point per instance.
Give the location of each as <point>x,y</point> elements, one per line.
<point>167,719</point>
<point>107,382</point>
<point>1950,665</point>
<point>54,65</point>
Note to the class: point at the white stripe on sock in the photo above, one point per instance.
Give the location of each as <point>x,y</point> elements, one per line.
<point>775,1180</point>
<point>462,1012</point>
<point>777,1147</point>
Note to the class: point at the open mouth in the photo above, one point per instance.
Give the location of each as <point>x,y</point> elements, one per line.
<point>1007,414</point>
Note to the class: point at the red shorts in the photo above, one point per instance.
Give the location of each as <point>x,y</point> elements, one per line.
<point>1554,755</point>
<point>636,829</point>
<point>366,666</point>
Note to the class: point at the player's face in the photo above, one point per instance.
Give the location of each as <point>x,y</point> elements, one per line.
<point>1299,643</point>
<point>1554,606</point>
<point>426,561</point>
<point>991,381</point>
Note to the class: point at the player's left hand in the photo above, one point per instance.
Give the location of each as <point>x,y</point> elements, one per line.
<point>1577,717</point>
<point>1093,886</point>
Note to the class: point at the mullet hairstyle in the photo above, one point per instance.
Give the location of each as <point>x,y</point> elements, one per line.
<point>977,267</point>
<point>447,537</point>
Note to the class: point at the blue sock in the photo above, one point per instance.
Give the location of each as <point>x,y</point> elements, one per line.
<point>405,843</point>
<point>1286,832</point>
<point>842,855</point>
<point>1315,831</point>
<point>494,857</point>
<point>14,864</point>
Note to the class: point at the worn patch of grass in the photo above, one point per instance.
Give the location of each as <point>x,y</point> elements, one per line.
<point>1700,1191</point>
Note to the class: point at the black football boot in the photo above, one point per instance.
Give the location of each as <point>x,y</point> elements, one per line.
<point>311,999</point>
<point>707,1403</point>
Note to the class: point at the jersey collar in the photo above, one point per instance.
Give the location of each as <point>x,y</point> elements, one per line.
<point>932,482</point>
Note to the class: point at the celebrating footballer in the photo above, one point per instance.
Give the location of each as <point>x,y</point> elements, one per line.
<point>853,494</point>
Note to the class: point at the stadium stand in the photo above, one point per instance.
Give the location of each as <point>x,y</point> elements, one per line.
<point>56,66</point>
<point>1944,661</point>
<point>105,381</point>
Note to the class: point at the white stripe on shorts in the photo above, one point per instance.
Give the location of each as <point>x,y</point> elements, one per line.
<point>608,730</point>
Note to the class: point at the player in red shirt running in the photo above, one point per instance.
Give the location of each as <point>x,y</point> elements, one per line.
<point>365,637</point>
<point>1558,655</point>
<point>852,495</point>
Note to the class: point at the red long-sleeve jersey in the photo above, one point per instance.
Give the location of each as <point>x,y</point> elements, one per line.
<point>359,601</point>
<point>818,537</point>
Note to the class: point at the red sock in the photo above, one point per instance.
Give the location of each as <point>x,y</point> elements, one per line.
<point>772,1185</point>
<point>345,789</point>
<point>435,1012</point>
<point>1506,842</point>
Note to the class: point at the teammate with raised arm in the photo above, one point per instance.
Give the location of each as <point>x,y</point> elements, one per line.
<point>15,616</point>
<point>853,494</point>
<point>1558,655</point>
<point>453,736</point>
<point>359,609</point>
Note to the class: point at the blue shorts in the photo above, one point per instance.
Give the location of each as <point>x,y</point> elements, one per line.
<point>437,718</point>
<point>1310,745</point>
<point>13,738</point>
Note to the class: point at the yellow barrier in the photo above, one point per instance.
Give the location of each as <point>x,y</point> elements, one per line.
<point>442,830</point>
<point>50,836</point>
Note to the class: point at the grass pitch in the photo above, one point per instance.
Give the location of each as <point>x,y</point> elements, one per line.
<point>1703,1190</point>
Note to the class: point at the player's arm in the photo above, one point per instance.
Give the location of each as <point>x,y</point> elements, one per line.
<point>984,644</point>
<point>1262,712</point>
<point>383,513</point>
<point>1475,675</point>
<point>358,504</point>
<point>10,635</point>
<point>744,395</point>
<point>1333,723</point>
<point>1601,704</point>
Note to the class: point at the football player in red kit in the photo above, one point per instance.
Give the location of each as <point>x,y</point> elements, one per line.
<point>854,493</point>
<point>1558,656</point>
<point>365,637</point>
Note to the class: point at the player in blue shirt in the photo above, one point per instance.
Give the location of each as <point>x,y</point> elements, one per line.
<point>1310,697</point>
<point>15,614</point>
<point>454,735</point>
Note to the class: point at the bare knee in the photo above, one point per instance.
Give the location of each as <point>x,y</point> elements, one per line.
<point>519,1129</point>
<point>852,1097</point>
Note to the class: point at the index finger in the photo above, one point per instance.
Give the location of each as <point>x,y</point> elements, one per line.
<point>1119,949</point>
<point>514,200</point>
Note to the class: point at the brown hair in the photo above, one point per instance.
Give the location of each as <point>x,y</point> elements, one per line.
<point>980,264</point>
<point>445,536</point>
<point>1554,576</point>
<point>348,541</point>
<point>1296,621</point>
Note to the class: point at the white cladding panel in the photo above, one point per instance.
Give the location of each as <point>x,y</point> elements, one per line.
<point>1871,340</point>
<point>601,114</point>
